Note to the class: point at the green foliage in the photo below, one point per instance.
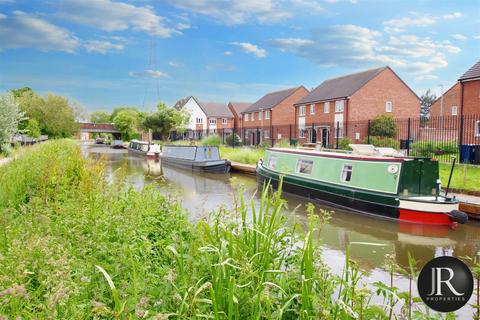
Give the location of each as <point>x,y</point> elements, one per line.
<point>17,93</point>
<point>383,142</point>
<point>383,126</point>
<point>243,154</point>
<point>127,121</point>
<point>55,115</point>
<point>344,143</point>
<point>428,148</point>
<point>32,128</point>
<point>233,140</point>
<point>426,101</point>
<point>166,119</point>
<point>100,117</point>
<point>211,140</point>
<point>283,143</point>
<point>10,117</point>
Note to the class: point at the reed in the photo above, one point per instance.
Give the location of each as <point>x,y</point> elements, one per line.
<point>76,247</point>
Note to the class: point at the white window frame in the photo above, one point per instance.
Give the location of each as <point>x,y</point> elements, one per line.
<point>301,133</point>
<point>213,121</point>
<point>252,116</point>
<point>346,168</point>
<point>267,114</point>
<point>301,111</point>
<point>299,165</point>
<point>246,117</point>
<point>326,107</point>
<point>339,105</point>
<point>266,134</point>
<point>477,128</point>
<point>312,108</point>
<point>260,115</point>
<point>456,110</point>
<point>199,120</point>
<point>224,121</point>
<point>388,106</point>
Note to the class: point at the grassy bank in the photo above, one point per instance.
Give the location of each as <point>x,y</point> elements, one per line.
<point>75,247</point>
<point>242,154</point>
<point>464,177</point>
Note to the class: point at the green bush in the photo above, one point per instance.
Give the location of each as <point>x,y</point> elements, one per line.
<point>283,143</point>
<point>429,148</point>
<point>344,142</point>
<point>383,126</point>
<point>243,154</point>
<point>212,140</point>
<point>233,140</point>
<point>383,142</point>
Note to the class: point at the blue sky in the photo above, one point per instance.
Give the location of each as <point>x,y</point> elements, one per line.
<point>107,53</point>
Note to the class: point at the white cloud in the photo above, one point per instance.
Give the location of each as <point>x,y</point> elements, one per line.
<point>458,36</point>
<point>228,53</point>
<point>452,16</point>
<point>309,4</point>
<point>476,37</point>
<point>235,12</point>
<point>426,77</point>
<point>101,46</point>
<point>175,64</point>
<point>111,15</point>
<point>357,47</point>
<point>399,25</point>
<point>22,30</point>
<point>148,74</point>
<point>251,48</point>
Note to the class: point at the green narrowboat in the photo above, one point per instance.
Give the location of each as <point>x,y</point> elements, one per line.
<point>377,181</point>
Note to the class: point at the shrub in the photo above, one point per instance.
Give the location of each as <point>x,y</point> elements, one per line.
<point>429,148</point>
<point>383,142</point>
<point>233,140</point>
<point>383,126</point>
<point>212,140</point>
<point>344,143</point>
<point>243,155</point>
<point>283,143</point>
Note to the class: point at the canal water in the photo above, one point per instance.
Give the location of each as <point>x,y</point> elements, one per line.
<point>202,193</point>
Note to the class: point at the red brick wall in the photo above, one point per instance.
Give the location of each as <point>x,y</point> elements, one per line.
<point>369,101</point>
<point>257,123</point>
<point>450,98</point>
<point>220,125</point>
<point>471,97</point>
<point>236,117</point>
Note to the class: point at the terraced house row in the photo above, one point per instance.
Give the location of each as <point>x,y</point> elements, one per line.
<point>338,107</point>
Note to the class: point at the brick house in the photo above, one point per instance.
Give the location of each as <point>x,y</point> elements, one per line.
<point>462,99</point>
<point>342,106</point>
<point>206,117</point>
<point>236,108</point>
<point>272,116</point>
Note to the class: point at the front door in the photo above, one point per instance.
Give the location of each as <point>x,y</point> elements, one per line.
<point>324,137</point>
<point>313,138</point>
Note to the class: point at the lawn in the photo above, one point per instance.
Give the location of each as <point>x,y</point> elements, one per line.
<point>464,177</point>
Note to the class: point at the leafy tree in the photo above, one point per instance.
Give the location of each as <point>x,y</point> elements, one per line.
<point>55,115</point>
<point>100,117</point>
<point>17,93</point>
<point>119,109</point>
<point>166,119</point>
<point>32,128</point>
<point>427,99</point>
<point>127,122</point>
<point>383,126</point>
<point>10,117</point>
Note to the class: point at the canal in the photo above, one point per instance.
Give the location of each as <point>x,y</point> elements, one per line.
<point>201,193</point>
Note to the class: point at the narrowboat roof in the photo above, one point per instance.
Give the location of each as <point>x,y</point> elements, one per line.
<point>140,141</point>
<point>330,154</point>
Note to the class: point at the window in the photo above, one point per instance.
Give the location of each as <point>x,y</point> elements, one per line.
<point>338,130</point>
<point>199,120</point>
<point>477,128</point>
<point>213,121</point>
<point>339,105</point>
<point>301,133</point>
<point>252,116</point>
<point>357,135</point>
<point>312,108</point>
<point>454,110</point>
<point>272,162</point>
<point>326,107</point>
<point>304,166</point>
<point>346,173</point>
<point>266,134</point>
<point>225,121</point>
<point>260,115</point>
<point>267,114</point>
<point>246,117</point>
<point>388,106</point>
<point>301,111</point>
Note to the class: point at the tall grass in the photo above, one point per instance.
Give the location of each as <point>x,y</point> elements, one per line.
<point>77,247</point>
<point>243,154</point>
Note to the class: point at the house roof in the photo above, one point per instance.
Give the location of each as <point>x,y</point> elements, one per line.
<point>341,87</point>
<point>216,109</point>
<point>271,99</point>
<point>472,73</point>
<point>240,107</point>
<point>211,109</point>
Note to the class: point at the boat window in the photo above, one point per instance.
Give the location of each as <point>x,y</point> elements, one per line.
<point>346,173</point>
<point>304,166</point>
<point>144,147</point>
<point>272,162</point>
